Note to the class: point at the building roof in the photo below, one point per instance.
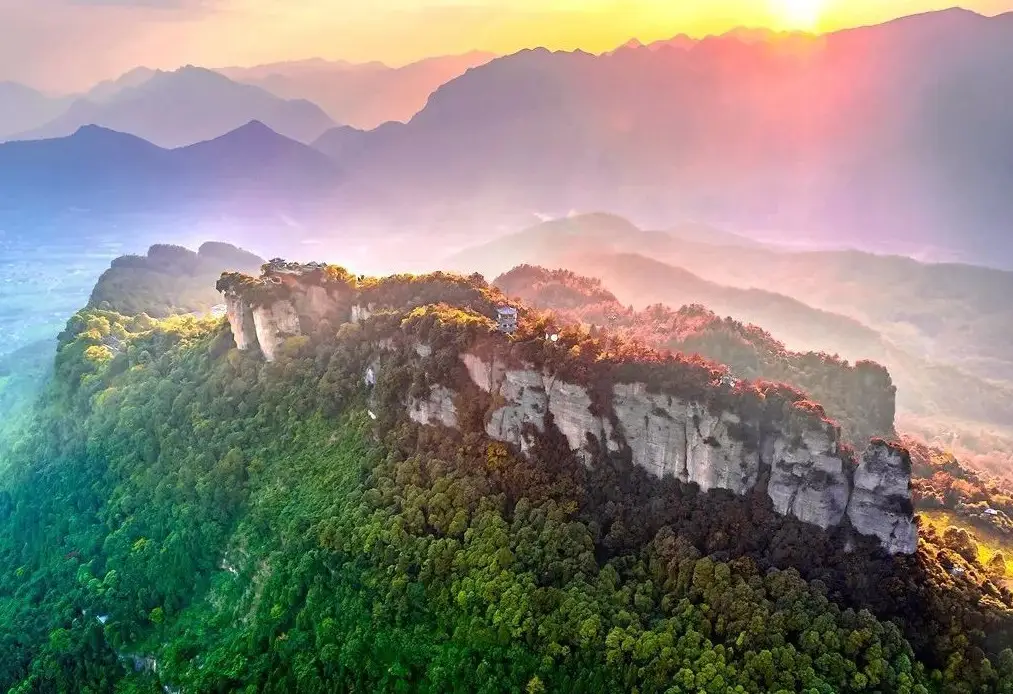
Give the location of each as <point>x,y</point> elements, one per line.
<point>506,311</point>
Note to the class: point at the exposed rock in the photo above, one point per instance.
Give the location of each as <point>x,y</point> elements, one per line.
<point>240,317</point>
<point>274,323</point>
<point>657,442</point>
<point>525,402</point>
<point>287,300</point>
<point>669,436</point>
<point>438,408</point>
<point>360,313</point>
<point>487,375</point>
<point>808,478</point>
<point>880,503</point>
<point>313,304</point>
<point>570,406</point>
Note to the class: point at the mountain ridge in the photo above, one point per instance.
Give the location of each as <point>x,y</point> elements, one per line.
<point>874,106</point>
<point>361,95</point>
<point>247,169</point>
<point>185,106</point>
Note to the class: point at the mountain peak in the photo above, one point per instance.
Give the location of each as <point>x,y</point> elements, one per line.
<point>92,131</point>
<point>254,126</point>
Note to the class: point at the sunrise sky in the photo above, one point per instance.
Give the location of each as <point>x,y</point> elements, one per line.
<point>65,45</point>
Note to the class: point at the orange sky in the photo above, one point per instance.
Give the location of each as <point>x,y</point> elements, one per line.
<point>70,44</point>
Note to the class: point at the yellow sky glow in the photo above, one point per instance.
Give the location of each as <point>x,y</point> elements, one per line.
<point>72,44</point>
<point>399,31</point>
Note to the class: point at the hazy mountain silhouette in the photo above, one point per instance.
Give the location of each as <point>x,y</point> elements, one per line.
<point>107,89</point>
<point>249,169</point>
<point>173,109</point>
<point>647,267</point>
<point>897,133</point>
<point>296,68</point>
<point>361,95</point>
<point>23,108</point>
<point>945,313</point>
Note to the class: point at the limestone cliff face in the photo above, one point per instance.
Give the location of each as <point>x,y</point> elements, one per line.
<point>284,302</point>
<point>714,436</point>
<point>240,318</point>
<point>437,408</point>
<point>808,478</point>
<point>881,501</point>
<point>670,436</point>
<point>360,313</point>
<point>273,324</point>
<point>805,472</point>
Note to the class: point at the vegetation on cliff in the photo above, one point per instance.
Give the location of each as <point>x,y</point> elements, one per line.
<point>252,529</point>
<point>169,279</point>
<point>860,396</point>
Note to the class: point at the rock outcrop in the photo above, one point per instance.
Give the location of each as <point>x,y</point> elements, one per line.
<point>806,472</point>
<point>288,300</point>
<point>240,317</point>
<point>717,435</point>
<point>881,500</point>
<point>439,408</point>
<point>808,478</point>
<point>273,324</point>
<point>669,436</point>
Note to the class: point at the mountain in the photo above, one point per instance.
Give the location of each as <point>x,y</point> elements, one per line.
<point>360,95</point>
<point>645,268</point>
<point>169,279</point>
<point>25,108</point>
<point>862,398</point>
<point>889,143</point>
<point>247,170</point>
<point>189,105</point>
<point>107,89</point>
<point>695,232</point>
<point>296,68</point>
<point>368,510</point>
<point>946,312</point>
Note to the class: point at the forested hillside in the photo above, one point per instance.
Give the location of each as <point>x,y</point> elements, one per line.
<point>181,514</point>
<point>169,279</point>
<point>860,396</point>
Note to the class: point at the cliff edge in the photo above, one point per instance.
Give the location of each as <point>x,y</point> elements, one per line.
<point>668,414</point>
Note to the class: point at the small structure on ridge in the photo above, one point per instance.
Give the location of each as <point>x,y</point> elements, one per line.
<point>506,318</point>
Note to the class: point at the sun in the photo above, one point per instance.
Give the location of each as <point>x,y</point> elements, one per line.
<point>799,14</point>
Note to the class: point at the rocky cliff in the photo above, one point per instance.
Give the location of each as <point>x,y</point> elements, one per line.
<point>287,300</point>
<point>717,435</point>
<point>806,471</point>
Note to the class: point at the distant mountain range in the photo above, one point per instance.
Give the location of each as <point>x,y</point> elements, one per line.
<point>174,109</point>
<point>249,169</point>
<point>894,137</point>
<point>361,95</point>
<point>946,313</point>
<point>644,268</point>
<point>299,99</point>
<point>24,108</point>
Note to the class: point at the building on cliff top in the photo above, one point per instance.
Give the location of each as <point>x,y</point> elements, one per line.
<point>506,318</point>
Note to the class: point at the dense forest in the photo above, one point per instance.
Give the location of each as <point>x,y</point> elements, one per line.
<point>180,514</point>
<point>169,279</point>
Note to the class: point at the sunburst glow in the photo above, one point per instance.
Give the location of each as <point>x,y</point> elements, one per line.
<point>799,14</point>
